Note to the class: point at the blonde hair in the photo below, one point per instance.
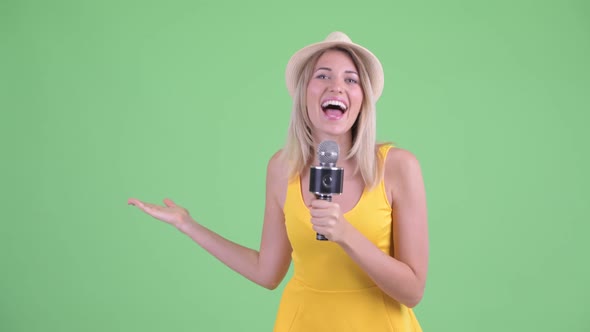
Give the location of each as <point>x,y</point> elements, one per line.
<point>298,150</point>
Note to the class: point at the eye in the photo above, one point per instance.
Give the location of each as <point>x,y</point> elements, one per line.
<point>351,80</point>
<point>322,76</point>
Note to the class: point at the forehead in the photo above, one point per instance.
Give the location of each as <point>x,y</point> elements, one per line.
<point>335,59</point>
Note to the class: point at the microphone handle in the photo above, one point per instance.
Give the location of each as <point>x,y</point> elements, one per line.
<point>325,197</point>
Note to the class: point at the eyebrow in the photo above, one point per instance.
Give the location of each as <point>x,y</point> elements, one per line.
<point>346,71</point>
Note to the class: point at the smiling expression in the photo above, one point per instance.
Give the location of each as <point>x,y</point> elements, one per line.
<point>334,94</point>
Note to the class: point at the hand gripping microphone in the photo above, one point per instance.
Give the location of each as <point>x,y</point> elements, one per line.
<point>326,179</point>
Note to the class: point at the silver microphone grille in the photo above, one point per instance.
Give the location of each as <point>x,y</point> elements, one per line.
<point>328,153</point>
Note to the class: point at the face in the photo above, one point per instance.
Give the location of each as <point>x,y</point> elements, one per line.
<point>334,95</point>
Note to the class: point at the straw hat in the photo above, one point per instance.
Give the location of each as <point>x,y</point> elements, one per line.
<point>298,60</point>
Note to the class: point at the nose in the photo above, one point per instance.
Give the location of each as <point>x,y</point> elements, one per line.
<point>336,87</point>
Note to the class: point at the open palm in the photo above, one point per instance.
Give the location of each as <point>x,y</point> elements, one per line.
<point>169,212</point>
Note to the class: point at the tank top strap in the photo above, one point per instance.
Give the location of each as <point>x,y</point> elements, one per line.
<point>382,154</point>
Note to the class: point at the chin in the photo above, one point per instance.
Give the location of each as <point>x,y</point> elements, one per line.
<point>335,131</point>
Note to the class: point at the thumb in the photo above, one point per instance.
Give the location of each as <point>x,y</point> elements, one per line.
<point>169,203</point>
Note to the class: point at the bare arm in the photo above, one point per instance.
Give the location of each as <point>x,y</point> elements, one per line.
<point>266,267</point>
<point>403,276</point>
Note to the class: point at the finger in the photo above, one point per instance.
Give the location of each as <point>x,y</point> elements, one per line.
<point>154,210</point>
<point>319,213</point>
<point>145,207</point>
<point>320,221</point>
<point>325,209</point>
<point>169,203</point>
<point>321,230</point>
<point>321,204</point>
<point>136,202</point>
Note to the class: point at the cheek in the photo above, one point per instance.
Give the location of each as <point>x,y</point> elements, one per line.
<point>356,98</point>
<point>313,93</point>
<point>358,93</point>
<point>313,89</point>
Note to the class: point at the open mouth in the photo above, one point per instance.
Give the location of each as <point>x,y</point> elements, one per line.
<point>334,109</point>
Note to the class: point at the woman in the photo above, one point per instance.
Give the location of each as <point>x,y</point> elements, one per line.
<point>372,271</point>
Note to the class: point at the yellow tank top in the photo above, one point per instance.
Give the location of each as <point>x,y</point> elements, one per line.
<point>328,291</point>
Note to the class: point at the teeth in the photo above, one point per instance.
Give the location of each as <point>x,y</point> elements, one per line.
<point>334,103</point>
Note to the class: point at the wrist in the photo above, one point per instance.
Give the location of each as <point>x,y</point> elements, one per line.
<point>185,224</point>
<point>346,236</point>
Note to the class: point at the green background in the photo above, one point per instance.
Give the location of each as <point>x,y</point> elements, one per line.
<point>105,100</point>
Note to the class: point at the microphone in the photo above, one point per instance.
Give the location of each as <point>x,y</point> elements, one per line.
<point>325,180</point>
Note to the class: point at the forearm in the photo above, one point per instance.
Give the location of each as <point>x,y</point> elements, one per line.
<point>392,276</point>
<point>241,259</point>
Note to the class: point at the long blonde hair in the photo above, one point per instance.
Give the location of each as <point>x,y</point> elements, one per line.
<point>299,147</point>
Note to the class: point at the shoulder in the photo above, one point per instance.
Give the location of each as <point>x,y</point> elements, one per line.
<point>402,171</point>
<point>398,159</point>
<point>277,166</point>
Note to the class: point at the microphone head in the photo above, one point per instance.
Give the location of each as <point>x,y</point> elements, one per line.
<point>328,153</point>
